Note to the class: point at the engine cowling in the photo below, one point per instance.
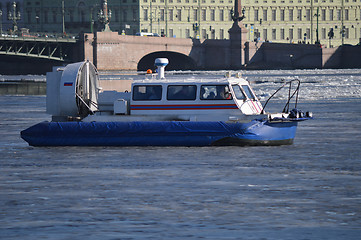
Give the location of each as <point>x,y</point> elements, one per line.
<point>72,91</point>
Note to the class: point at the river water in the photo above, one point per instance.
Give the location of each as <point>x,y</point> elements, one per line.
<point>308,190</point>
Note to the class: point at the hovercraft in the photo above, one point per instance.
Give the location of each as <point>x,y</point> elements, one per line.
<point>160,111</point>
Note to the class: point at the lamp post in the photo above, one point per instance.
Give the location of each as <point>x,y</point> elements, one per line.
<point>342,26</point>
<point>104,16</point>
<point>151,17</point>
<point>317,39</point>
<point>1,22</point>
<point>63,17</point>
<point>14,16</point>
<point>311,13</point>
<point>235,13</point>
<point>37,23</point>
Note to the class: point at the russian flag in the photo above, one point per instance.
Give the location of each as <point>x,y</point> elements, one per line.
<point>68,84</point>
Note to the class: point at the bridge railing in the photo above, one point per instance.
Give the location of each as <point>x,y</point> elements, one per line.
<point>45,37</point>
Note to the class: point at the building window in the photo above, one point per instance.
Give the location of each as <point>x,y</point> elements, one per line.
<point>338,15</point>
<point>145,14</point>
<point>54,17</point>
<point>290,34</point>
<point>29,17</point>
<point>221,15</point>
<point>323,14</point>
<point>195,14</point>
<point>265,34</point>
<point>170,14</point>
<point>308,33</point>
<point>204,15</point>
<point>171,32</point>
<point>221,34</point>
<point>274,37</point>
<point>273,14</point>
<point>46,20</point>
<point>282,15</point>
<point>282,34</point>
<point>290,14</point>
<point>346,15</point>
<point>125,15</point>
<point>135,14</point>
<point>116,13</point>
<point>323,33</point>
<point>265,15</point>
<point>204,33</point>
<point>299,14</point>
<point>213,17</point>
<point>187,33</point>
<point>257,35</point>
<point>308,14</point>
<point>331,14</point>
<point>179,14</point>
<point>213,34</point>
<point>256,17</point>
<point>299,33</point>
<point>161,14</point>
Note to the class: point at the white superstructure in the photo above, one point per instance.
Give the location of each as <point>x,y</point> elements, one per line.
<point>73,92</point>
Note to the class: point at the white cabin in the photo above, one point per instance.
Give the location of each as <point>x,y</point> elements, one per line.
<point>73,94</point>
<point>224,99</point>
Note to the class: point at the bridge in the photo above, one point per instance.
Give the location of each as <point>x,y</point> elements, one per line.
<point>110,51</point>
<point>53,48</point>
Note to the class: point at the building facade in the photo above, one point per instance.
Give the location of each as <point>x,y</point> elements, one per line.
<point>173,18</point>
<point>287,21</point>
<point>306,21</point>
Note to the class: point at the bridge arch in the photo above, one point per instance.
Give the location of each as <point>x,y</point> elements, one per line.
<point>177,61</point>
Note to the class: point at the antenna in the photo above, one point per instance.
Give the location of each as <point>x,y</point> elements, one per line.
<point>161,63</point>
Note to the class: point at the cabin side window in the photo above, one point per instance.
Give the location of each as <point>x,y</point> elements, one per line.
<point>181,92</point>
<point>215,92</point>
<point>248,92</point>
<point>238,92</point>
<point>147,92</point>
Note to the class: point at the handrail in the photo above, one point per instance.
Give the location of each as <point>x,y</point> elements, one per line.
<point>289,95</point>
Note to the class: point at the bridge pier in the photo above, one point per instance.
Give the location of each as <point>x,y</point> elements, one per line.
<point>238,37</point>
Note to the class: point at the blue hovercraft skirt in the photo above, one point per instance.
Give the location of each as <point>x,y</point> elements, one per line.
<point>166,133</point>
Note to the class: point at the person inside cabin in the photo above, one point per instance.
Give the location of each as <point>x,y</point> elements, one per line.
<point>223,92</point>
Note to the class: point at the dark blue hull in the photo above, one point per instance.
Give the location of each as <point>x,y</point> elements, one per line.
<point>171,133</point>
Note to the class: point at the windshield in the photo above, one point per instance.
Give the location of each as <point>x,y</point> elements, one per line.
<point>248,92</point>
<point>238,92</point>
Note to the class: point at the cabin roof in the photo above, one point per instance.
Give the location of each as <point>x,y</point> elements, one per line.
<point>191,80</point>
